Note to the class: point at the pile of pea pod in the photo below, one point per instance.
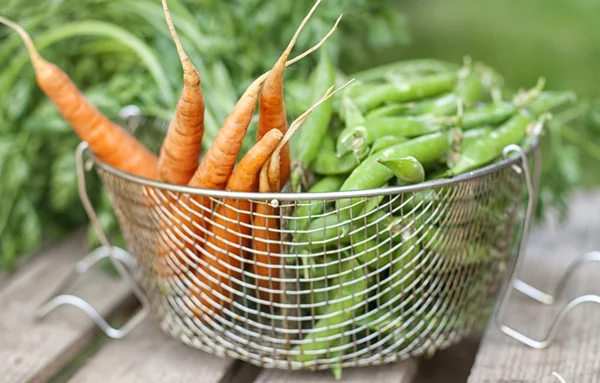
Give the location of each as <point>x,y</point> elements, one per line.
<point>398,124</point>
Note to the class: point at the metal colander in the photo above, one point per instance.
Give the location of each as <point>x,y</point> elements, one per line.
<point>399,272</point>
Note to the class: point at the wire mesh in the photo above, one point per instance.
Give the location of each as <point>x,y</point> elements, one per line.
<point>313,282</point>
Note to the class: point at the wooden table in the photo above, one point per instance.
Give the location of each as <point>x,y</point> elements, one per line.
<point>66,346</point>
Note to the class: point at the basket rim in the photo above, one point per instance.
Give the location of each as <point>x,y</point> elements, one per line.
<point>304,196</point>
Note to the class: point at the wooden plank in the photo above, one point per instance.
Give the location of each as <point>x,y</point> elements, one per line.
<point>33,350</point>
<point>399,372</point>
<point>574,353</point>
<point>149,355</point>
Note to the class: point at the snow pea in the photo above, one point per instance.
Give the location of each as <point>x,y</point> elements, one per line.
<point>389,110</point>
<point>386,141</point>
<point>306,142</point>
<point>407,67</point>
<point>550,100</point>
<point>442,105</point>
<point>324,231</point>
<point>309,209</point>
<point>347,301</point>
<point>336,366</point>
<point>464,251</point>
<point>408,169</point>
<point>403,270</point>
<point>359,138</point>
<point>371,252</point>
<point>488,115</point>
<point>490,146</point>
<point>411,89</point>
<point>329,265</point>
<point>471,86</point>
<point>370,174</point>
<point>473,135</point>
<point>328,163</point>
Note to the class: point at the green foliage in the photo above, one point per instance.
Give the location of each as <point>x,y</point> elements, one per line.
<point>121,53</point>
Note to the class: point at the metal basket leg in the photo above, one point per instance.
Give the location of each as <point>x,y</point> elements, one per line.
<point>530,291</point>
<point>121,260</point>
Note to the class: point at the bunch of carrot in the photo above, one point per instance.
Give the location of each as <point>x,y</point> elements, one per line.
<point>199,235</point>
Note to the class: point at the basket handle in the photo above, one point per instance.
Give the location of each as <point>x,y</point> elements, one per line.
<point>123,262</point>
<point>530,291</point>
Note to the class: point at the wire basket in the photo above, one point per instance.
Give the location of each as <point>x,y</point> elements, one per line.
<point>361,278</point>
<point>399,272</point>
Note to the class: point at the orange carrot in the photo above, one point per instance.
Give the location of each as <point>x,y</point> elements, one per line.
<point>107,141</point>
<point>216,166</point>
<point>182,146</point>
<point>230,231</point>
<point>272,112</point>
<point>266,243</point>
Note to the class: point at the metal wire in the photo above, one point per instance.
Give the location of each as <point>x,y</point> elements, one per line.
<point>364,278</point>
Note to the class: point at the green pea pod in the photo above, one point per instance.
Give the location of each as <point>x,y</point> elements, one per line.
<point>443,105</point>
<point>324,232</point>
<point>390,323</point>
<point>458,251</point>
<point>549,101</point>
<point>370,251</point>
<point>306,142</point>
<point>330,265</point>
<point>385,142</point>
<point>490,146</point>
<point>407,67</point>
<point>371,204</point>
<point>308,209</point>
<point>359,138</point>
<point>389,110</point>
<point>471,87</point>
<point>402,271</point>
<point>345,304</point>
<point>375,223</point>
<point>488,115</point>
<point>349,112</point>
<point>370,174</point>
<point>407,169</point>
<point>336,366</point>
<point>412,89</point>
<point>405,126</point>
<point>329,164</point>
<point>318,293</point>
<point>473,135</point>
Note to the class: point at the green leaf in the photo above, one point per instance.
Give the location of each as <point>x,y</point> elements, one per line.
<point>29,224</point>
<point>98,29</point>
<point>63,184</point>
<point>19,100</point>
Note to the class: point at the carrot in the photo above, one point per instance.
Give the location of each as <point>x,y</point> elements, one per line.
<point>266,245</point>
<point>272,113</point>
<point>266,238</point>
<point>182,146</point>
<point>177,162</point>
<point>230,231</point>
<point>216,166</point>
<point>107,141</point>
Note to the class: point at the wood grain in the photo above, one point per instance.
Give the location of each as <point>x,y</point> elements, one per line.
<point>399,372</point>
<point>33,350</point>
<point>149,355</point>
<point>574,353</point>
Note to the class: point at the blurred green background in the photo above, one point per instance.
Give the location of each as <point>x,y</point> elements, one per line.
<point>120,53</point>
